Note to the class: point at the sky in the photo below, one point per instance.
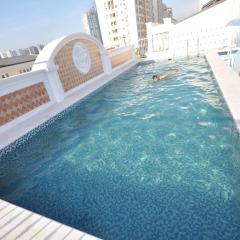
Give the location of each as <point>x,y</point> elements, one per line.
<point>29,22</point>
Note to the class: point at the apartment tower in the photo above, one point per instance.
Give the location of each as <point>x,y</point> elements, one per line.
<point>91,23</point>
<point>123,22</point>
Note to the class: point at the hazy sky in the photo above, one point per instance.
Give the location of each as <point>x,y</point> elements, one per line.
<point>27,22</point>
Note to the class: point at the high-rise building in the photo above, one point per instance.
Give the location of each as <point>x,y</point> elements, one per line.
<point>202,3</point>
<point>33,50</point>
<point>91,23</point>
<point>167,13</point>
<point>158,11</point>
<point>3,55</point>
<point>123,22</point>
<point>9,53</point>
<point>40,47</point>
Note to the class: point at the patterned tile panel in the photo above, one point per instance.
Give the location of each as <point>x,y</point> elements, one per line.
<point>68,73</point>
<point>15,104</point>
<point>121,58</point>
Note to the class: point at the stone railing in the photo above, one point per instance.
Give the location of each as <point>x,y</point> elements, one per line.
<point>64,66</point>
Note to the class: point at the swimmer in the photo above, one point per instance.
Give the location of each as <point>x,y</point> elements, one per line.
<point>165,75</point>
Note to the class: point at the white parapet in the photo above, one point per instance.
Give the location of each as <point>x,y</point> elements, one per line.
<point>202,31</point>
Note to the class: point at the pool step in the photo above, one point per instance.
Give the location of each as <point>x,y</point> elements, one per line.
<point>19,224</point>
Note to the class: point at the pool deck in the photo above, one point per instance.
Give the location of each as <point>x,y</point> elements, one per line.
<point>19,224</point>
<point>229,83</point>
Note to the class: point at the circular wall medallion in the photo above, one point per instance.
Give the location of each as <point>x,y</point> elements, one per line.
<point>81,58</point>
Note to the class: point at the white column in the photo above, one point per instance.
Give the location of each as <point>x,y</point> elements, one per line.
<point>107,66</point>
<point>55,86</point>
<point>149,37</point>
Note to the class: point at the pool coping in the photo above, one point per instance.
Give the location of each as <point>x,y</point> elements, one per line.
<point>18,131</point>
<point>228,82</point>
<point>19,223</point>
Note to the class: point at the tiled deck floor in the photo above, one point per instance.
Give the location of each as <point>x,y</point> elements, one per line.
<point>18,223</point>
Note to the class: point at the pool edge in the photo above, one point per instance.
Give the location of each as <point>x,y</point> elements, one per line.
<point>19,223</point>
<point>228,82</point>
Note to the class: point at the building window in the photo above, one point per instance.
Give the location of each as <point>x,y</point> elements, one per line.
<point>110,4</point>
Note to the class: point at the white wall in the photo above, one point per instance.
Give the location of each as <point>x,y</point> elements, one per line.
<point>203,31</point>
<point>131,9</point>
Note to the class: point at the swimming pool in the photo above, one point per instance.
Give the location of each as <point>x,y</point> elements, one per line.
<point>136,160</point>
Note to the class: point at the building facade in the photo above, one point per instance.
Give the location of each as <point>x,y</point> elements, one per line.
<point>123,22</point>
<point>33,50</point>
<point>91,23</point>
<point>202,3</point>
<point>158,11</point>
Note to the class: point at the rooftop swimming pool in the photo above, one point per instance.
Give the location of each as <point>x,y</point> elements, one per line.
<point>136,160</point>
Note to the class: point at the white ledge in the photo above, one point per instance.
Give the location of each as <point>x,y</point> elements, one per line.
<point>229,83</point>
<point>21,224</point>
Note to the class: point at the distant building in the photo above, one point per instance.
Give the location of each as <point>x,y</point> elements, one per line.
<point>207,4</point>
<point>22,52</point>
<point>3,55</point>
<point>91,23</point>
<point>122,22</point>
<point>40,47</point>
<point>158,11</point>
<point>9,53</point>
<point>168,13</point>
<point>33,50</point>
<point>16,65</point>
<point>201,3</point>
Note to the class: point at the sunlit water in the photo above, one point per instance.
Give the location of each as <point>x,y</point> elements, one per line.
<point>137,160</point>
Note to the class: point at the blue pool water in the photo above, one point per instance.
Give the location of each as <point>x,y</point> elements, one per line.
<point>136,160</point>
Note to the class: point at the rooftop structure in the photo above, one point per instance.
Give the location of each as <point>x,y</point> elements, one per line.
<point>16,65</point>
<point>5,62</point>
<point>196,33</point>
